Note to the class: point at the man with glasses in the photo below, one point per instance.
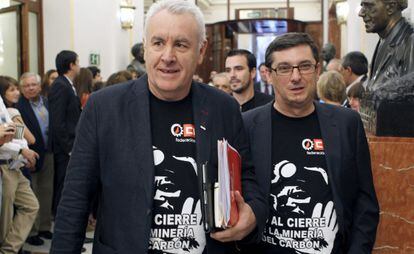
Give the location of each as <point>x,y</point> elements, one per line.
<point>34,110</point>
<point>312,161</point>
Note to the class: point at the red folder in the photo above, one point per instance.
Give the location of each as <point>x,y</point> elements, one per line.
<point>234,161</point>
<point>233,181</point>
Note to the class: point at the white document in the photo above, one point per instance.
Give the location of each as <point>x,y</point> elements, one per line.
<point>222,200</point>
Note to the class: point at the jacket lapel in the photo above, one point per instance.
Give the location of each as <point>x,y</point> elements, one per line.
<point>262,144</point>
<point>201,124</point>
<point>139,116</point>
<point>32,117</point>
<point>332,146</point>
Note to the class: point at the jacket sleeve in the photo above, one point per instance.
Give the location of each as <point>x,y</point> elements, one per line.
<point>250,186</point>
<point>80,185</point>
<point>366,209</point>
<point>58,101</point>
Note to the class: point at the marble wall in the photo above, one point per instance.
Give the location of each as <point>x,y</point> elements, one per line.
<point>393,172</point>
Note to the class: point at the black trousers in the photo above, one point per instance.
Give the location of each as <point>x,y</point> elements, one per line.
<point>61,163</point>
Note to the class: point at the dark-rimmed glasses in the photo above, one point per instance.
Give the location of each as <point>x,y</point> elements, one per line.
<point>287,70</point>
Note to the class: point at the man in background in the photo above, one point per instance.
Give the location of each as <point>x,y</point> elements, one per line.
<point>240,67</point>
<point>263,85</point>
<point>34,110</point>
<point>221,81</point>
<point>64,112</point>
<point>354,68</point>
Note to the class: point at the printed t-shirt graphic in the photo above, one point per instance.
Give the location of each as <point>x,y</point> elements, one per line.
<point>302,216</point>
<point>177,222</point>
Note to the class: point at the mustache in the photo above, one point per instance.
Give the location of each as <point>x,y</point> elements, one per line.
<point>234,80</point>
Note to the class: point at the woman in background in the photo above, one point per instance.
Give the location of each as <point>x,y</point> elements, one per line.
<point>83,85</point>
<point>355,95</point>
<point>47,81</point>
<point>118,77</point>
<point>9,92</point>
<point>331,88</point>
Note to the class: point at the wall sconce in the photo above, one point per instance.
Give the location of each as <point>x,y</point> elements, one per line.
<point>127,15</point>
<point>342,11</point>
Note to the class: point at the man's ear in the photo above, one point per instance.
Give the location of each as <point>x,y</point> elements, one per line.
<point>203,49</point>
<point>318,69</point>
<point>144,46</point>
<point>391,7</point>
<point>71,65</point>
<point>253,73</point>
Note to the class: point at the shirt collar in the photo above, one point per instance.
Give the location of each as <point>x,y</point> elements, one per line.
<point>38,102</point>
<point>70,81</point>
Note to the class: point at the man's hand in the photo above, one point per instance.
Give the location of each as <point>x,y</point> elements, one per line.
<point>7,133</point>
<point>30,156</point>
<point>245,224</point>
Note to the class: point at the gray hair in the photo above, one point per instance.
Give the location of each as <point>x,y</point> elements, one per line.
<point>220,75</point>
<point>28,75</point>
<point>178,7</point>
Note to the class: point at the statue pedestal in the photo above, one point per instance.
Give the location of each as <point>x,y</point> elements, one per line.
<point>393,171</point>
<point>388,118</point>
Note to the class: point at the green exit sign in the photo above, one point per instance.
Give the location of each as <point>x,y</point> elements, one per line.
<point>94,59</point>
<point>254,14</point>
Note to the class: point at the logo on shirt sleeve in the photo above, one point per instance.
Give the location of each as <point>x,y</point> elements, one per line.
<point>313,146</point>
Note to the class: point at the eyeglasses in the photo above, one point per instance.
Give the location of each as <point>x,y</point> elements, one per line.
<point>287,70</point>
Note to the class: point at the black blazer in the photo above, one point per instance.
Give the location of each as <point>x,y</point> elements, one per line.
<point>64,112</point>
<point>349,169</point>
<point>113,152</point>
<point>30,119</point>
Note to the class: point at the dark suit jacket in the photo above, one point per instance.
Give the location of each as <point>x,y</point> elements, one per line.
<point>30,119</point>
<point>64,112</point>
<point>113,151</point>
<point>349,169</point>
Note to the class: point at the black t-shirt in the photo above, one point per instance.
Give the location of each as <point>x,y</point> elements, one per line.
<point>177,223</point>
<point>259,99</point>
<point>302,217</point>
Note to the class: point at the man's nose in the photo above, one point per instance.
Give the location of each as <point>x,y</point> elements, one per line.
<point>361,12</point>
<point>295,76</point>
<point>168,55</point>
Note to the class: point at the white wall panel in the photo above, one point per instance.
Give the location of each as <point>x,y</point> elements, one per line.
<point>91,26</point>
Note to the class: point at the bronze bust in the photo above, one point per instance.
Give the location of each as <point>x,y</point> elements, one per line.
<point>393,58</point>
<point>138,63</point>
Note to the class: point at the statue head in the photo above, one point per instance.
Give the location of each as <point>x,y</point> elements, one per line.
<point>328,52</point>
<point>377,14</point>
<point>138,52</point>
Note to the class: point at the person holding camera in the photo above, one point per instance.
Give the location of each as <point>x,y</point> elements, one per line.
<point>19,205</point>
